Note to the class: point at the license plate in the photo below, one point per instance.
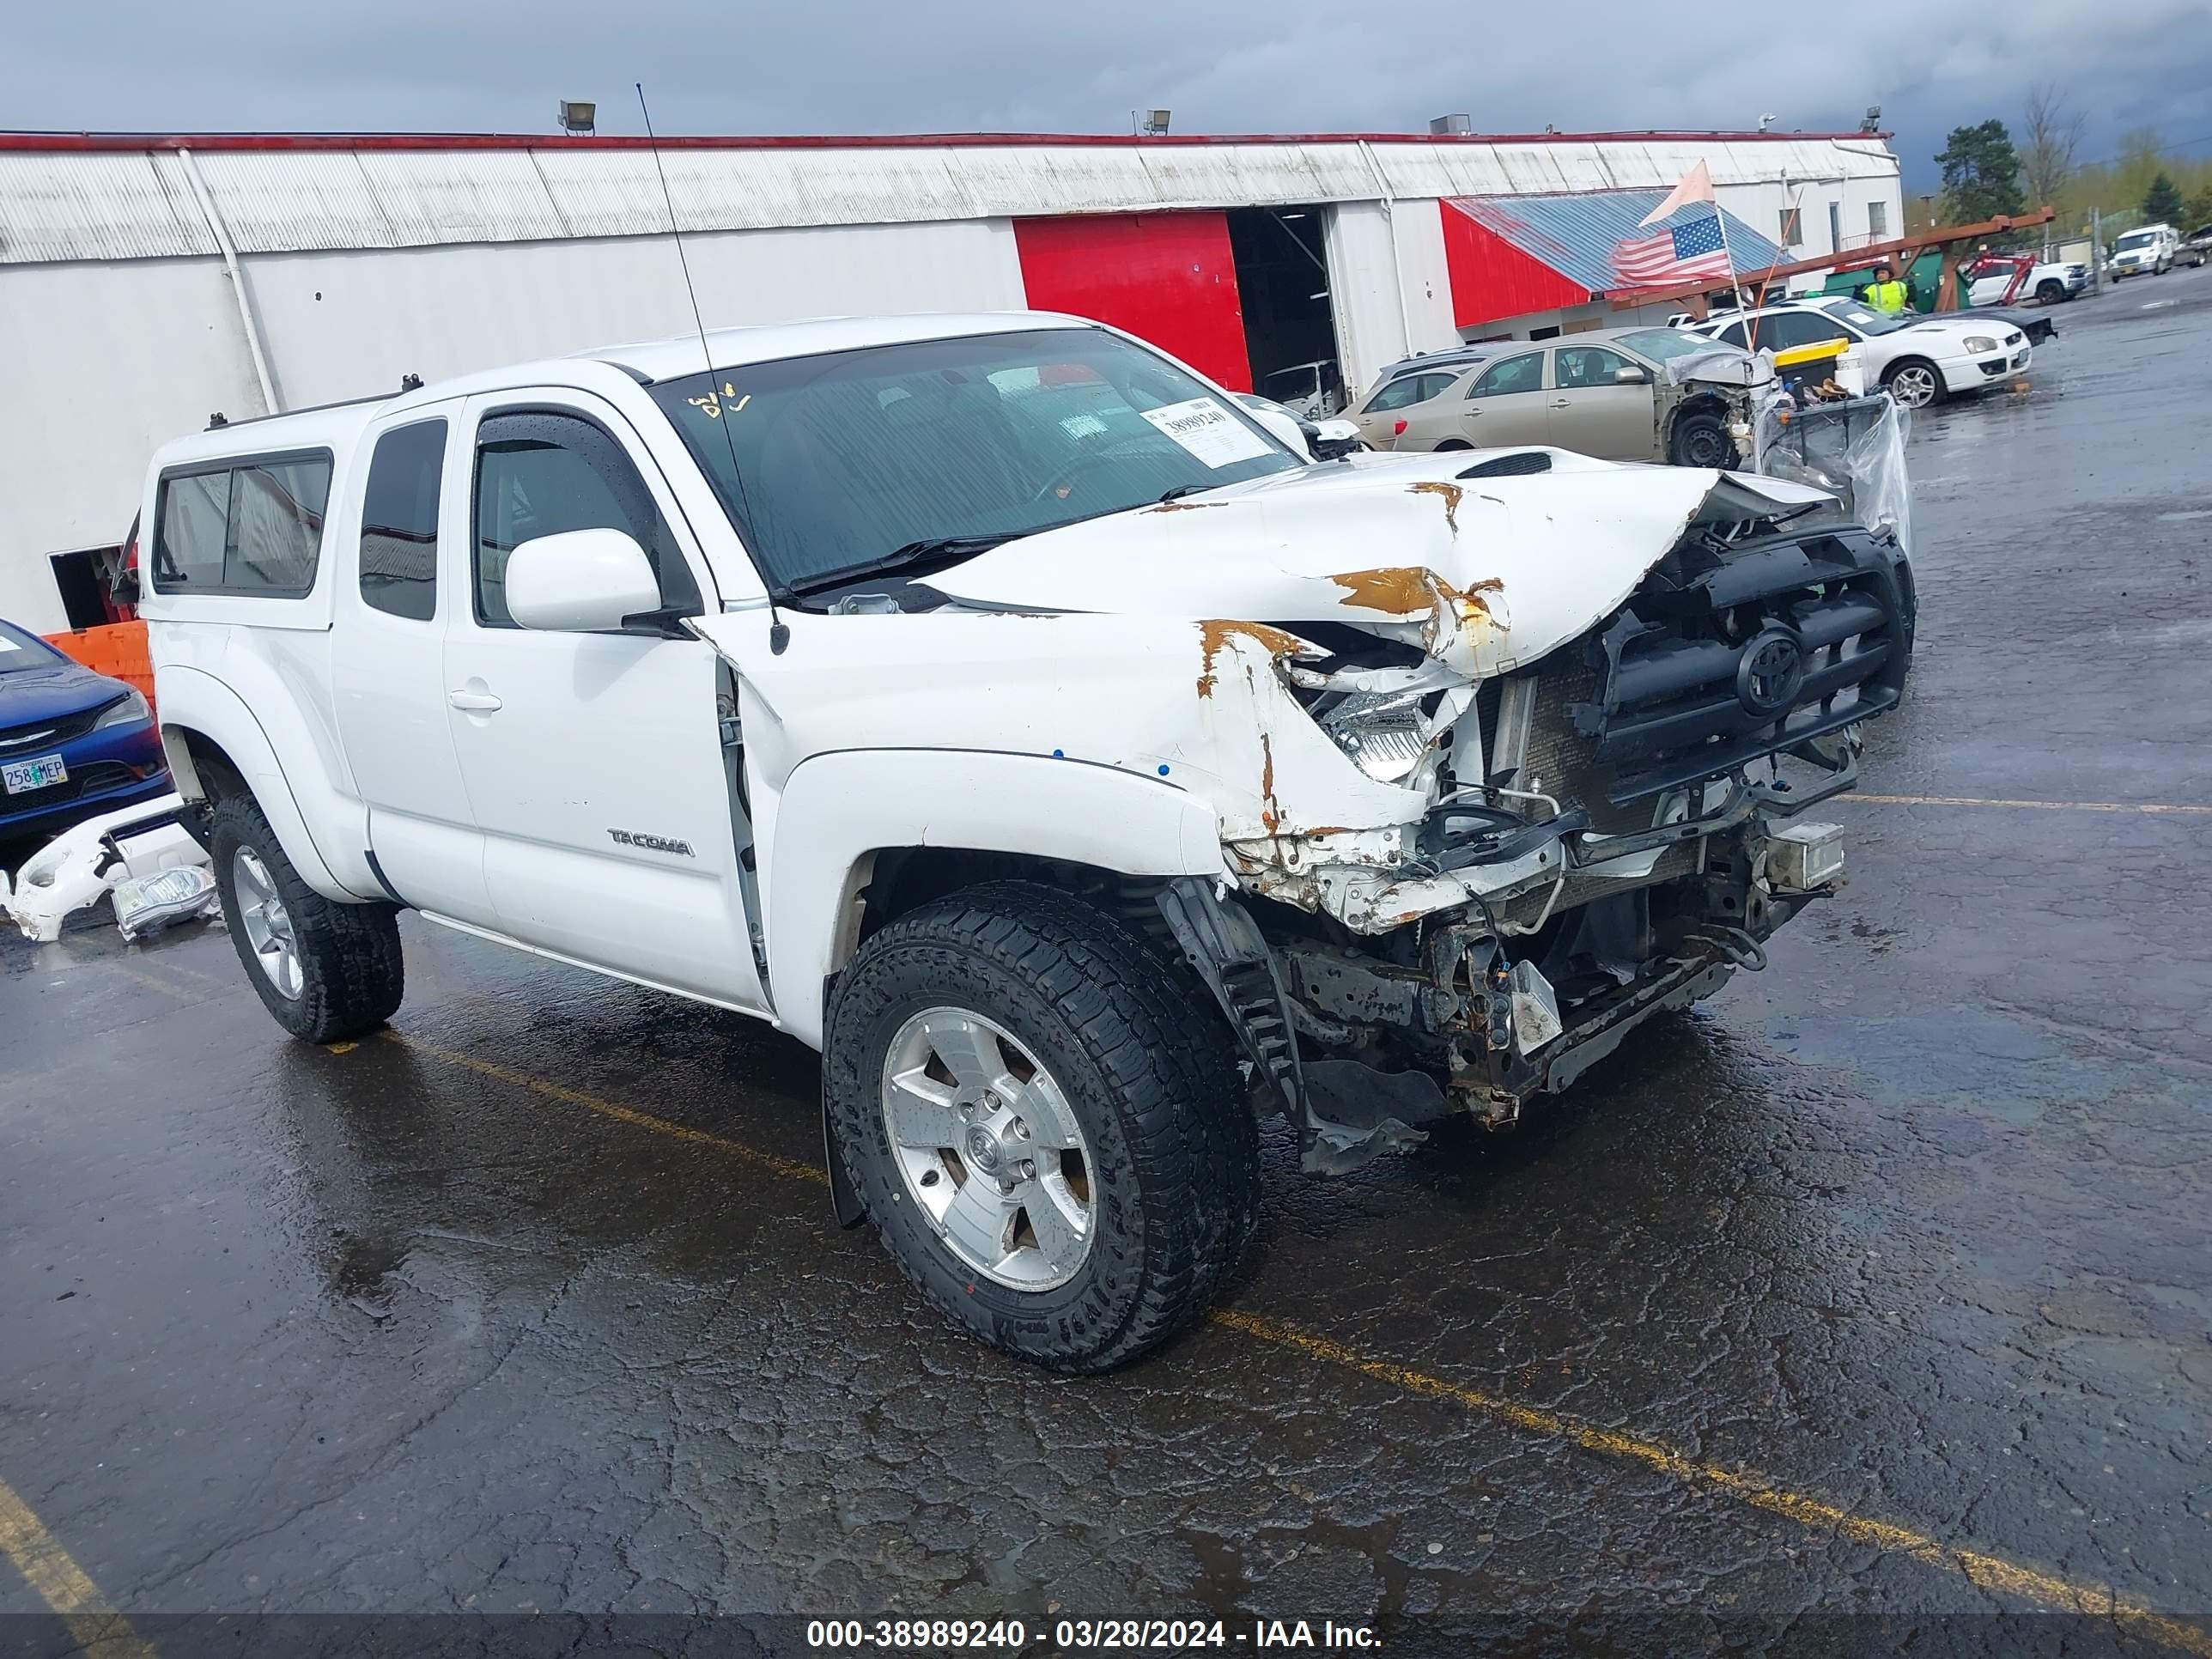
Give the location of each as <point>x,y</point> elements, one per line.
<point>21,777</point>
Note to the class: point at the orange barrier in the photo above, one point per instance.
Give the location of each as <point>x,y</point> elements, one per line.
<point>117,649</point>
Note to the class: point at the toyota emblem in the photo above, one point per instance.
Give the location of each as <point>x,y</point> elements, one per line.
<point>1771,673</point>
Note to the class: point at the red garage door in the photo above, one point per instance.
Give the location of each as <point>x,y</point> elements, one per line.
<point>1166,278</point>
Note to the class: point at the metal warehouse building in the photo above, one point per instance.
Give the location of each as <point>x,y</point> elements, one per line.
<point>146,283</point>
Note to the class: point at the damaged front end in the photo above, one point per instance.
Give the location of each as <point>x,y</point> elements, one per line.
<point>1605,832</point>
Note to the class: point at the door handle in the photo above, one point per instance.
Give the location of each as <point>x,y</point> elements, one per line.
<point>473,702</point>
<point>1562,402</point>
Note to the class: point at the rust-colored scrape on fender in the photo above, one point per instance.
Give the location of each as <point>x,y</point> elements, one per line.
<point>1184,507</point>
<point>1270,811</point>
<point>1212,635</point>
<point>1451,493</point>
<point>1453,620</point>
<point>1410,590</point>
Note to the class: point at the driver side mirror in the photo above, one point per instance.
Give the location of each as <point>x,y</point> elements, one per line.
<point>1629,375</point>
<point>579,582</point>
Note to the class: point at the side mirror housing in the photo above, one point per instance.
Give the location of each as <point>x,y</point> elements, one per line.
<point>1631,375</point>
<point>580,581</point>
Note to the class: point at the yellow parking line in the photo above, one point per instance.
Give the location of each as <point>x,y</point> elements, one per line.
<point>2034,805</point>
<point>790,1167</point>
<point>1759,1491</point>
<point>62,1584</point>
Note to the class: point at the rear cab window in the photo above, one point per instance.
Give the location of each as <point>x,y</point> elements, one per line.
<point>248,527</point>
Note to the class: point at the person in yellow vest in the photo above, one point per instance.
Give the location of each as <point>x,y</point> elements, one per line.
<point>1887,295</point>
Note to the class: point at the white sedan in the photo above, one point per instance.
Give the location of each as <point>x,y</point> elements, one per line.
<point>1920,358</point>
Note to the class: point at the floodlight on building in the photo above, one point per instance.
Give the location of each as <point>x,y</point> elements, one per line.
<point>1443,126</point>
<point>577,117</point>
<point>1150,122</point>
<point>1764,122</point>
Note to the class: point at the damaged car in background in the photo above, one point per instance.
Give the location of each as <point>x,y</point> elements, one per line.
<point>1621,394</point>
<point>995,705</point>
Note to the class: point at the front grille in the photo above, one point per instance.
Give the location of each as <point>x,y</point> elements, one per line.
<point>1729,654</point>
<point>63,729</point>
<point>94,780</point>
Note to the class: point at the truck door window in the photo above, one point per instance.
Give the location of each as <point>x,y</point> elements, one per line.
<point>540,472</point>
<point>399,521</point>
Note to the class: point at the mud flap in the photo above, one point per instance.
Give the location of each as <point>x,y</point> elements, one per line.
<point>844,1198</point>
<point>1226,947</point>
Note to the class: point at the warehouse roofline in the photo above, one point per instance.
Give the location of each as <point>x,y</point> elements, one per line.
<point>139,142</point>
<point>107,196</point>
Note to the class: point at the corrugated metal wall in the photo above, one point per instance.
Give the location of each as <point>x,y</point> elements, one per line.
<point>72,205</point>
<point>339,324</point>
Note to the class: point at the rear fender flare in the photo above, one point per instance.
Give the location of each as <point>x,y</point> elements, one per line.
<point>194,703</point>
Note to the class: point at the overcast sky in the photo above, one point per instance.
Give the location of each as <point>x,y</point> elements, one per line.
<point>831,66</point>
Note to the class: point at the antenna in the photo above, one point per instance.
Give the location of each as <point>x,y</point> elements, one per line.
<point>779,635</point>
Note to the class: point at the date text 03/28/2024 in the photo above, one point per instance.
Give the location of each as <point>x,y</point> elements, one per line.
<point>1080,1635</point>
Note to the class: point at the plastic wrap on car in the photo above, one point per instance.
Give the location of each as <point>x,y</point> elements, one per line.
<point>1854,450</point>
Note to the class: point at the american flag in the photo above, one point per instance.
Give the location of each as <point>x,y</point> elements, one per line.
<point>1687,253</point>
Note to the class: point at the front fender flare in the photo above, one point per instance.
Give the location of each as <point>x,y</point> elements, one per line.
<point>838,810</point>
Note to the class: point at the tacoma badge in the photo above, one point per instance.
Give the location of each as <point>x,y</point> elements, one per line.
<point>651,844</point>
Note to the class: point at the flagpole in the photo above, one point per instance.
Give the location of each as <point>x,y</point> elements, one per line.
<point>1728,255</point>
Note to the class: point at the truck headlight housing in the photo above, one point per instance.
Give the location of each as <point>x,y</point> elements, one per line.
<point>1384,732</point>
<point>1980,343</point>
<point>131,711</point>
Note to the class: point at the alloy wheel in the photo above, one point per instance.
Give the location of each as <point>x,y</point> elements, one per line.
<point>268,924</point>
<point>989,1149</point>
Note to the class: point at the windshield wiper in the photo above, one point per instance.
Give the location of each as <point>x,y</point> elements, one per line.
<point>911,558</point>
<point>1182,491</point>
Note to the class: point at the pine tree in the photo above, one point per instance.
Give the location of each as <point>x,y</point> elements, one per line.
<point>2161,203</point>
<point>1981,173</point>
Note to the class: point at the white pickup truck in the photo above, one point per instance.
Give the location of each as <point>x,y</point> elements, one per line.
<point>994,705</point>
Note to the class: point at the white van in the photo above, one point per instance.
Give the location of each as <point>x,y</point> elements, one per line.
<point>2149,250</point>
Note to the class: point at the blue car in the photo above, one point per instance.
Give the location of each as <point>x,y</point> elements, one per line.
<point>72,742</point>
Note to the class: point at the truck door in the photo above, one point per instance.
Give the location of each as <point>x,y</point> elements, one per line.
<point>594,761</point>
<point>407,520</point>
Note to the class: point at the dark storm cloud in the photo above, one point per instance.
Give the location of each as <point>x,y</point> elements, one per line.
<point>1231,65</point>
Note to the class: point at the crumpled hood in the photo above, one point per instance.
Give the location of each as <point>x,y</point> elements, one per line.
<point>1483,573</point>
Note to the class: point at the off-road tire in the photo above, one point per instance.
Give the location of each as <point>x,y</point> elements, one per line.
<point>1144,1059</point>
<point>352,975</point>
<point>1695,430</point>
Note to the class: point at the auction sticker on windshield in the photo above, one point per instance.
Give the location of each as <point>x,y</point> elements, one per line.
<point>1208,431</point>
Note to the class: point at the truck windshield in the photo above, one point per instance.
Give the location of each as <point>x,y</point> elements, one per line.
<point>866,462</point>
<point>2137,239</point>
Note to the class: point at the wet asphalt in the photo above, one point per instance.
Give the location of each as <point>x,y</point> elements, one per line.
<point>1905,1246</point>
